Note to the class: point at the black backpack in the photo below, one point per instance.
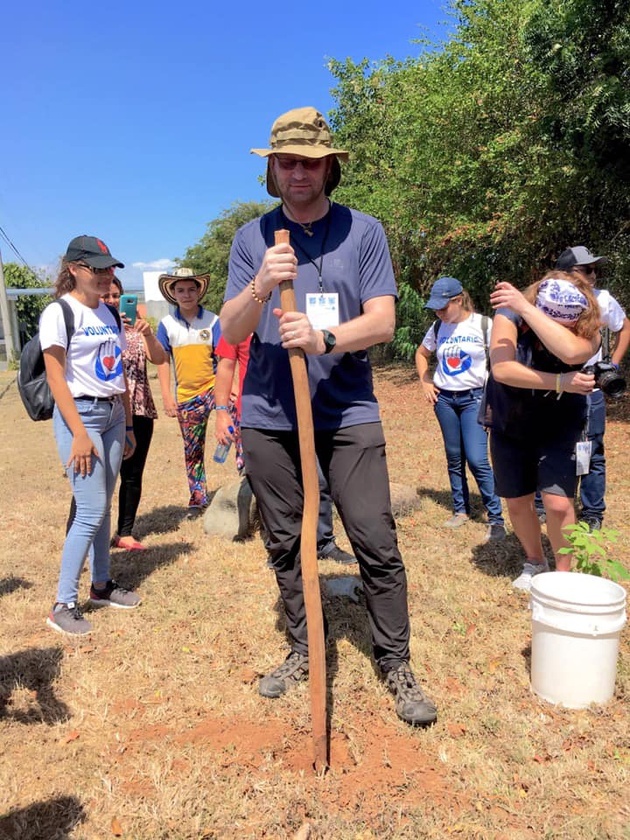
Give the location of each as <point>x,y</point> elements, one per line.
<point>32,383</point>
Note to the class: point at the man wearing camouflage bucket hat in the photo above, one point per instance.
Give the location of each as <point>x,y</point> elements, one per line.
<point>339,263</point>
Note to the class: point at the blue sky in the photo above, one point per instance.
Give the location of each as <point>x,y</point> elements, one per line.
<point>133,120</point>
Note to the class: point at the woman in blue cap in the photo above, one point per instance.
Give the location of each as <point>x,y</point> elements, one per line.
<point>460,339</point>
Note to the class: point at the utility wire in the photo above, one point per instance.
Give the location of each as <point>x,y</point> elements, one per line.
<point>17,253</point>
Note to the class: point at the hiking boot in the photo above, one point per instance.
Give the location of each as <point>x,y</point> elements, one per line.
<point>338,555</point>
<point>524,580</point>
<point>68,619</point>
<point>495,533</point>
<point>593,522</point>
<point>114,596</point>
<point>293,670</point>
<point>412,704</point>
<point>456,520</point>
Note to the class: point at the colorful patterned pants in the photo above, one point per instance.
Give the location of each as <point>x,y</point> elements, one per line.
<point>193,418</point>
<point>238,440</point>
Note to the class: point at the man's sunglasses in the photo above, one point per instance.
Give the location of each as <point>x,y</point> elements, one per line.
<point>289,164</point>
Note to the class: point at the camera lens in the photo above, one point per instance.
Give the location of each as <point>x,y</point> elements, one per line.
<point>611,383</point>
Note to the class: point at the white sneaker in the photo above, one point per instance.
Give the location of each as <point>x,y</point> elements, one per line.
<point>524,580</point>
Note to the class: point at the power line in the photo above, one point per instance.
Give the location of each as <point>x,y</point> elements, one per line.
<point>17,253</point>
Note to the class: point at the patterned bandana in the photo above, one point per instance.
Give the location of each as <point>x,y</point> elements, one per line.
<point>560,300</point>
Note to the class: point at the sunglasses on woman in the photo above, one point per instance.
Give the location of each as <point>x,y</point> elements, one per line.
<point>108,270</point>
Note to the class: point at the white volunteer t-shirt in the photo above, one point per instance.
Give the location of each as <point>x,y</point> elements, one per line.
<point>94,365</point>
<point>461,354</point>
<point>612,316</point>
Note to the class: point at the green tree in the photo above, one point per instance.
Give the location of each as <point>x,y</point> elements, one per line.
<point>460,153</point>
<point>28,307</point>
<point>487,155</point>
<point>211,254</point>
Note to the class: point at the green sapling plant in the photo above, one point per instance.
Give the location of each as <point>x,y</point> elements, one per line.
<point>590,551</point>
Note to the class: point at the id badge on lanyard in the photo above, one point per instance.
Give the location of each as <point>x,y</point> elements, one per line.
<point>583,450</point>
<point>322,309</point>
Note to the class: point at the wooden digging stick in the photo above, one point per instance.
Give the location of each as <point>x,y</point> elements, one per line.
<point>308,545</point>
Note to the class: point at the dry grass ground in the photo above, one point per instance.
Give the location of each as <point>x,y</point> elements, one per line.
<point>152,727</point>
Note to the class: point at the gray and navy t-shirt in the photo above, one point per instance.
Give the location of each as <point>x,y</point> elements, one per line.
<point>350,251</point>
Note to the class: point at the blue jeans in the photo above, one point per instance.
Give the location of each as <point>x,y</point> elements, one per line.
<point>465,440</point>
<point>593,484</point>
<point>105,424</point>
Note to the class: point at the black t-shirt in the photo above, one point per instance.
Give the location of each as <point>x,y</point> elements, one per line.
<point>528,412</point>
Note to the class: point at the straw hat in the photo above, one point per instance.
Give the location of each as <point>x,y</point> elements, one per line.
<point>304,132</point>
<point>167,281</point>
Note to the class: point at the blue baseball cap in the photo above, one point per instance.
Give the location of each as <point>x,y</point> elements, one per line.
<point>442,291</point>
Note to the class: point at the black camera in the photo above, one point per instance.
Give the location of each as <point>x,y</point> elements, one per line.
<point>608,378</point>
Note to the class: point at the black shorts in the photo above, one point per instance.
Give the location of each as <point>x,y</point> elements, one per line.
<point>522,466</point>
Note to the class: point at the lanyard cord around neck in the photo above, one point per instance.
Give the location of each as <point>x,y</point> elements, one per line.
<point>321,256</point>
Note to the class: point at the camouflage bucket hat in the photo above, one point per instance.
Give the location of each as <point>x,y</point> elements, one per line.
<point>304,132</point>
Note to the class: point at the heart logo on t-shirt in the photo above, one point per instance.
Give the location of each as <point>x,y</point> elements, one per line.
<point>109,362</point>
<point>453,361</point>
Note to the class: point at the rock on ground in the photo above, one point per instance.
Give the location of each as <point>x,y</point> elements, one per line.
<point>232,513</point>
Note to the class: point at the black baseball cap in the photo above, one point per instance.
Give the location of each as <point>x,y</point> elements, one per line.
<point>577,255</point>
<point>92,251</point>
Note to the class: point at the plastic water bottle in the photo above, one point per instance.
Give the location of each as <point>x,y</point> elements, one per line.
<point>221,452</point>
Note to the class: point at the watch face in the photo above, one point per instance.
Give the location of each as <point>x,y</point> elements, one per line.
<point>329,340</point>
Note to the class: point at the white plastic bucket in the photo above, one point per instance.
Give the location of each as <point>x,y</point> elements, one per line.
<point>576,623</point>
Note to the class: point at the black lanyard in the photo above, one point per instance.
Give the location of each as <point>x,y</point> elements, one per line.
<point>321,256</point>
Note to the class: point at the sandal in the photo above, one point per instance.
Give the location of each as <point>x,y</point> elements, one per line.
<point>129,544</point>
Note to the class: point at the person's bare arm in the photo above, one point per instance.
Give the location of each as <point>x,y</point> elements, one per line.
<point>374,325</point>
<point>507,370</point>
<point>422,366</point>
<point>222,395</point>
<point>154,350</point>
<point>623,342</point>
<point>240,315</point>
<point>82,450</point>
<point>559,340</point>
<point>164,378</point>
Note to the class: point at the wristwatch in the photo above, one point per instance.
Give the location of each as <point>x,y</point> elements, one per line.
<point>330,341</point>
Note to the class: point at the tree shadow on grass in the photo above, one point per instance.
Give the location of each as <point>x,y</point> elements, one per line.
<point>161,520</point>
<point>34,670</point>
<point>444,499</point>
<point>133,567</point>
<point>55,819</point>
<point>506,557</point>
<point>11,584</point>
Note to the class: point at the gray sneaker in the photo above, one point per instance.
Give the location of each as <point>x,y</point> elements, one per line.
<point>68,619</point>
<point>524,580</point>
<point>293,670</point>
<point>114,595</point>
<point>338,555</point>
<point>412,704</point>
<point>495,533</point>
